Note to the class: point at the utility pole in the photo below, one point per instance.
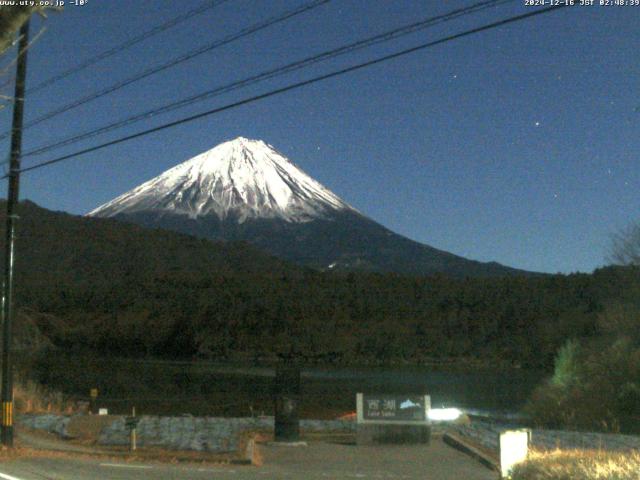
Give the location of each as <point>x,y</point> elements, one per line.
<point>9,256</point>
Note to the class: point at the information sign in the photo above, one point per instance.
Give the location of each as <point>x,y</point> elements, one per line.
<point>399,409</point>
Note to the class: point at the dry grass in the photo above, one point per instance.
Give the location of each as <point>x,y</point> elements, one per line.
<point>579,465</point>
<point>37,443</point>
<point>29,397</point>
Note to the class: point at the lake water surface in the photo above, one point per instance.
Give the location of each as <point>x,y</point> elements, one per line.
<point>208,388</point>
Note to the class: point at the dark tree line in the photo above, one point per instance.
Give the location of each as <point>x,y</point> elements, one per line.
<point>331,317</point>
<point>119,289</point>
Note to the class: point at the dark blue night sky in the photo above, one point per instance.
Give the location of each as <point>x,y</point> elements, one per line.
<point>518,145</point>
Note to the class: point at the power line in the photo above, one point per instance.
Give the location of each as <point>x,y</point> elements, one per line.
<point>19,54</point>
<point>183,58</point>
<point>5,69</point>
<point>295,86</point>
<point>208,5</point>
<point>272,73</point>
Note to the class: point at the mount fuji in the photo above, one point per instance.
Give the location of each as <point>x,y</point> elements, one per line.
<point>246,190</point>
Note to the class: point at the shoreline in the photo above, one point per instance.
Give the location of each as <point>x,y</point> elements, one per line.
<point>454,364</point>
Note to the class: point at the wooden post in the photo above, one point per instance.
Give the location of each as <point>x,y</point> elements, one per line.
<point>6,392</point>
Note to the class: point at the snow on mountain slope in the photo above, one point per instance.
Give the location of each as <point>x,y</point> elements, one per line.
<point>238,179</point>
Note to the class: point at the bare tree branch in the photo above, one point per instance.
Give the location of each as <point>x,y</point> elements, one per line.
<point>11,19</point>
<point>625,246</point>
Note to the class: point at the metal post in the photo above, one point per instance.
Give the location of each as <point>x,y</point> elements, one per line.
<point>93,406</point>
<point>133,430</point>
<point>12,201</point>
<point>287,399</point>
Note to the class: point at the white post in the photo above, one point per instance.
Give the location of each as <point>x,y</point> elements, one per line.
<point>514,446</point>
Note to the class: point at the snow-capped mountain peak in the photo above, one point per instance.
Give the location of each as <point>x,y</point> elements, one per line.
<point>238,179</point>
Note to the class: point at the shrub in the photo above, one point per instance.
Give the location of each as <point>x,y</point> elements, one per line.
<point>593,388</point>
<point>566,371</point>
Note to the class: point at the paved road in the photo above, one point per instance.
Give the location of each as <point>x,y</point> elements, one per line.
<point>437,461</point>
<point>316,461</point>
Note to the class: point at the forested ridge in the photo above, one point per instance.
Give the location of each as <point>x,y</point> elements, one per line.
<point>121,289</point>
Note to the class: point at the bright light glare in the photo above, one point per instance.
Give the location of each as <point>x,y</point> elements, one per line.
<point>444,414</point>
